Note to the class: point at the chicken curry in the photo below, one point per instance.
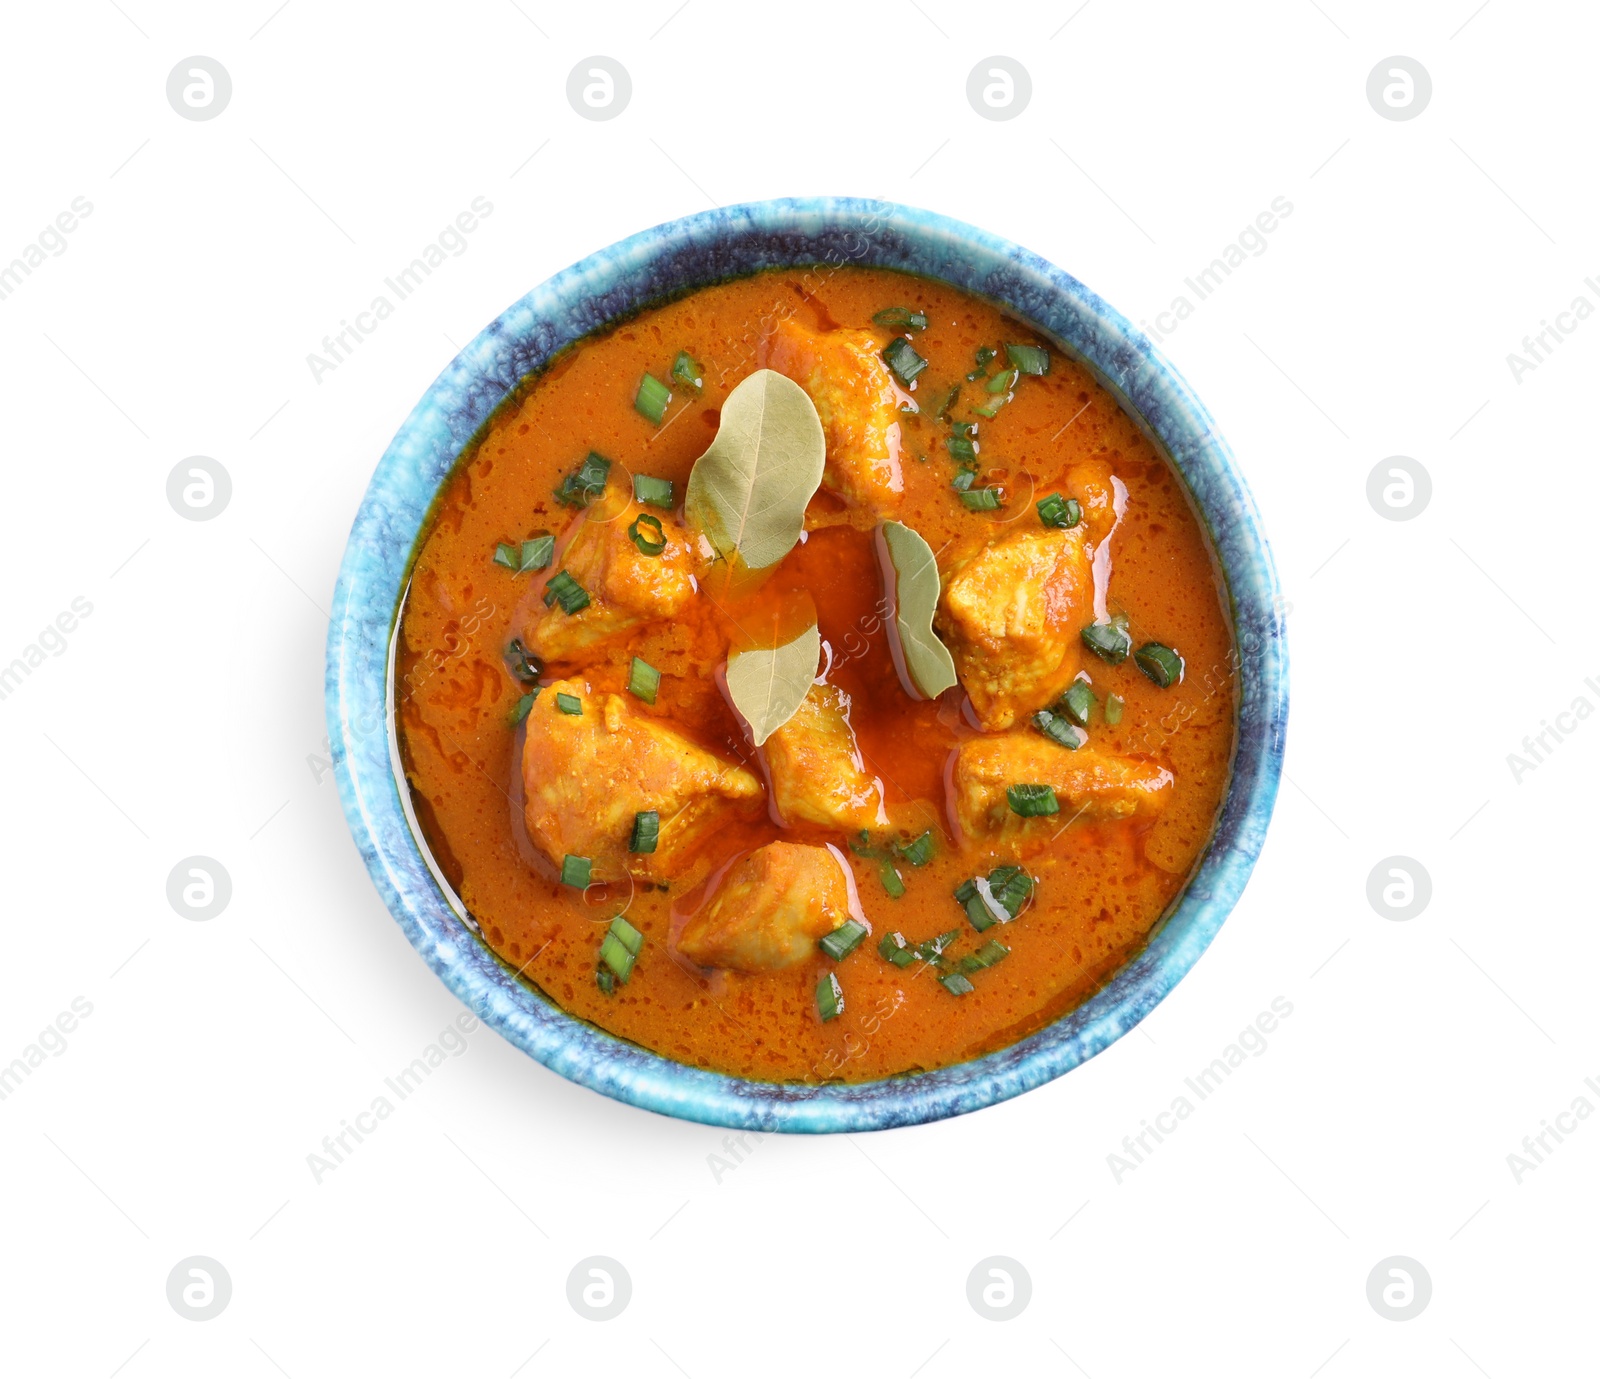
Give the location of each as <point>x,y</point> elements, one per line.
<point>818,677</point>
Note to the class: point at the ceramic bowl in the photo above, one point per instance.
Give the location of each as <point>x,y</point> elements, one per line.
<point>664,262</point>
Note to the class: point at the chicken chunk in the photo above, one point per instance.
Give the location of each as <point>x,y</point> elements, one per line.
<point>771,908</point>
<point>586,774</point>
<point>859,407</point>
<point>816,769</point>
<point>1011,613</point>
<point>626,587</point>
<point>1089,785</point>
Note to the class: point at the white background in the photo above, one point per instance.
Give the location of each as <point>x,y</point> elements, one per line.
<point>184,715</point>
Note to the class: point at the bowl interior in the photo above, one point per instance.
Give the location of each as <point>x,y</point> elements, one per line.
<point>820,234</point>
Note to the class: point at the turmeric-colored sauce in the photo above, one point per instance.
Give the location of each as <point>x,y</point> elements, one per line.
<point>1099,887</point>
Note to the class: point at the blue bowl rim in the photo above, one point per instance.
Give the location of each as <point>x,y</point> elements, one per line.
<point>616,282</point>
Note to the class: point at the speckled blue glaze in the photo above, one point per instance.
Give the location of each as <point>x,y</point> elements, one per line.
<point>663,262</point>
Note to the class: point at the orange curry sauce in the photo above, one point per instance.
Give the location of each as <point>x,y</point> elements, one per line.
<point>1098,889</point>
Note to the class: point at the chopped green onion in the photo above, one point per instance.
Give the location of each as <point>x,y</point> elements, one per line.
<point>1029,358</point>
<point>685,370</point>
<point>627,935</point>
<point>861,845</point>
<point>1078,701</point>
<point>646,831</point>
<point>643,680</point>
<point>1113,709</point>
<point>963,480</point>
<point>893,948</point>
<point>575,872</point>
<point>1056,511</point>
<point>929,949</point>
<point>1059,730</point>
<point>651,400</point>
<point>830,997</point>
<point>615,955</point>
<point>1161,663</point>
<point>904,360</point>
<point>984,356</point>
<point>1032,801</point>
<point>1002,382</point>
<point>647,544</point>
<point>533,554</point>
<point>950,400</point>
<point>842,942</point>
<point>569,703</point>
<point>962,450</point>
<point>971,900</point>
<point>891,879</point>
<point>981,499</point>
<point>955,983</point>
<point>919,852</point>
<point>586,483</point>
<point>524,664</point>
<point>991,411</point>
<point>1108,641</point>
<point>992,952</point>
<point>523,705</point>
<point>900,318</point>
<point>1010,886</point>
<point>605,981</point>
<point>656,492</point>
<point>563,588</point>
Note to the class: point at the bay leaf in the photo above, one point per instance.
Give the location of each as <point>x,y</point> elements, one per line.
<point>911,583</point>
<point>768,685</point>
<point>748,492</point>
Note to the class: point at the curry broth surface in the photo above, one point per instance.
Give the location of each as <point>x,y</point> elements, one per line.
<point>1099,890</point>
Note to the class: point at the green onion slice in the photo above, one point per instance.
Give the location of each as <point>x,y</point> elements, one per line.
<point>900,318</point>
<point>627,935</point>
<point>1056,511</point>
<point>1010,886</point>
<point>569,703</point>
<point>1108,641</point>
<point>1032,359</point>
<point>686,371</point>
<point>950,400</point>
<point>521,708</point>
<point>955,983</point>
<point>651,400</point>
<point>657,492</point>
<point>605,981</point>
<point>615,956</point>
<point>1078,702</point>
<point>981,499</point>
<point>1032,801</point>
<point>525,666</point>
<point>929,949</point>
<point>962,450</point>
<point>984,356</point>
<point>843,941</point>
<point>919,852</point>
<point>1059,730</point>
<point>647,544</point>
<point>563,588</point>
<point>575,871</point>
<point>586,483</point>
<point>905,361</point>
<point>1161,663</point>
<point>646,831</point>
<point>532,554</point>
<point>1113,709</point>
<point>1002,382</point>
<point>830,997</point>
<point>643,680</point>
<point>893,948</point>
<point>891,879</point>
